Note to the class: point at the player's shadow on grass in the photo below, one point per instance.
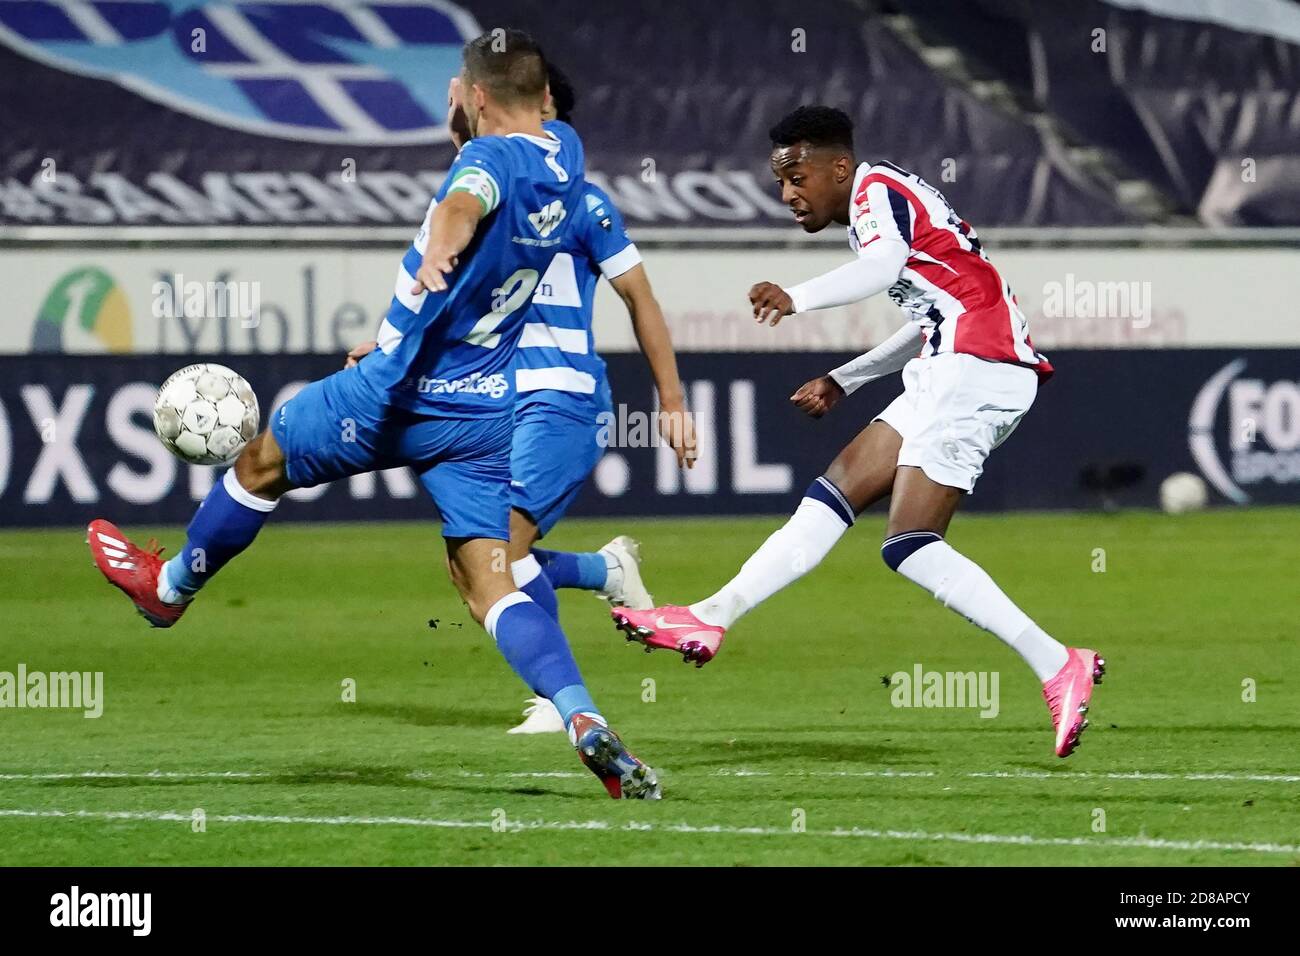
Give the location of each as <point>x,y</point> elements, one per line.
<point>428,715</point>
<point>751,753</point>
<point>403,778</point>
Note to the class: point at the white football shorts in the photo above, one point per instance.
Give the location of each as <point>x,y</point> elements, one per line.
<point>954,410</point>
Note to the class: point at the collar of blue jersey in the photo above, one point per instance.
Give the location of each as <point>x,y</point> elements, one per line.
<point>549,142</point>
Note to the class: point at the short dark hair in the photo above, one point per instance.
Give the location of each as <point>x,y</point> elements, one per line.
<point>509,64</point>
<point>816,126</point>
<point>561,92</point>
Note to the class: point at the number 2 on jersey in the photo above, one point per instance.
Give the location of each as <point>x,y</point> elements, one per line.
<point>513,293</point>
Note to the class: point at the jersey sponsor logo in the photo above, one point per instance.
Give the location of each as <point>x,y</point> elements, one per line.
<point>867,230</point>
<point>597,208</point>
<point>493,386</point>
<point>359,72</point>
<point>547,219</point>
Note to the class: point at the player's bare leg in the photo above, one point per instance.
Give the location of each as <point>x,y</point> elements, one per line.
<point>225,525</point>
<point>919,514</point>
<point>864,469</point>
<point>861,474</point>
<point>260,468</point>
<point>481,573</point>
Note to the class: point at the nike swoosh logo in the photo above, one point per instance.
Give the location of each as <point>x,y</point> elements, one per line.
<point>664,625</point>
<point>1067,719</point>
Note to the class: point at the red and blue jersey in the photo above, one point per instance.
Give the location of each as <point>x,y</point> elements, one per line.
<point>948,286</point>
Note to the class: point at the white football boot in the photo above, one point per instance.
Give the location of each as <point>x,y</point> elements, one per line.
<point>540,717</point>
<point>624,587</point>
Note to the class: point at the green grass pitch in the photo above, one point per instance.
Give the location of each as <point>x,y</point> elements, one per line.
<point>787,749</point>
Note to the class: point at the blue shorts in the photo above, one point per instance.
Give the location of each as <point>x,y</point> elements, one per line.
<point>553,452</point>
<point>339,426</point>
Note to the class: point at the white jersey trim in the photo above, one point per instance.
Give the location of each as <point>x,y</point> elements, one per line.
<point>402,291</point>
<point>621,262</point>
<point>537,335</point>
<point>560,379</point>
<point>389,337</point>
<point>245,497</point>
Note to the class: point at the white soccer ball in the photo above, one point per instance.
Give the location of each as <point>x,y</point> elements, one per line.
<point>205,414</point>
<point>1182,492</point>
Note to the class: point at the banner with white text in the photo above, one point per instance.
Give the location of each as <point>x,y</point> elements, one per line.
<point>77,441</point>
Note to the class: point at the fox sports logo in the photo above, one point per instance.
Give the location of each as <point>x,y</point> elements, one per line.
<point>360,73</point>
<point>1263,431</point>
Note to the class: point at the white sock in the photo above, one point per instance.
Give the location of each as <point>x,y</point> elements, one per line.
<point>525,570</point>
<point>961,584</point>
<point>166,592</point>
<point>792,551</point>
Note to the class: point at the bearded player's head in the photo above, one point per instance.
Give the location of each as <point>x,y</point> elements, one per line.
<point>503,80</point>
<point>812,159</point>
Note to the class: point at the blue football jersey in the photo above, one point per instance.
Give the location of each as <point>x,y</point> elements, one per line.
<point>557,361</point>
<point>450,353</point>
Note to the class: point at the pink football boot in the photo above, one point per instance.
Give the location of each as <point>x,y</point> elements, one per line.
<point>672,628</point>
<point>1068,693</point>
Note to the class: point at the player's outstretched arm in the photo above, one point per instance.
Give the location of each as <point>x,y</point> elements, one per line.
<point>889,356</point>
<point>819,396</point>
<point>451,227</point>
<point>877,267</point>
<point>652,334</point>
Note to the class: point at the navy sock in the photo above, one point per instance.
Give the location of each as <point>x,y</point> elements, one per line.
<point>536,649</point>
<point>225,524</point>
<point>569,569</point>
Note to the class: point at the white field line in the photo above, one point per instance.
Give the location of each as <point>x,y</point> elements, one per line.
<point>519,826</point>
<point>1023,775</point>
<point>724,772</point>
<point>147,775</point>
<point>1142,775</point>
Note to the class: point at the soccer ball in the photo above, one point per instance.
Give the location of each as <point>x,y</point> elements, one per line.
<point>1182,492</point>
<point>205,414</point>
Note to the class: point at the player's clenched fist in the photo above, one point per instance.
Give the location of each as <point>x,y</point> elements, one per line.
<point>770,302</point>
<point>818,397</point>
